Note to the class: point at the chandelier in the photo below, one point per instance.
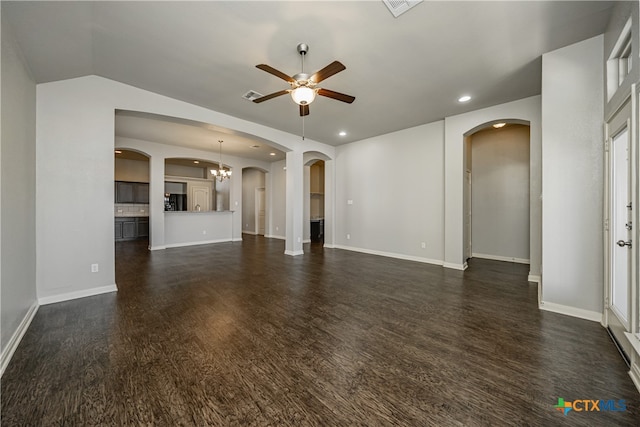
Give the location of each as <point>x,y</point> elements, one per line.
<point>221,174</point>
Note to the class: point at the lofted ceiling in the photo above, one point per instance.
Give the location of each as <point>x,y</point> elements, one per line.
<point>403,71</point>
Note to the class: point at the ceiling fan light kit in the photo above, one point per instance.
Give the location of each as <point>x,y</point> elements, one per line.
<point>304,88</point>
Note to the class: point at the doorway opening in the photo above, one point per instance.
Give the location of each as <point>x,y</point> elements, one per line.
<point>316,201</point>
<point>496,193</point>
<point>254,201</point>
<point>131,195</point>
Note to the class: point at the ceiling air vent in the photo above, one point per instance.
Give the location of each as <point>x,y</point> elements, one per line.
<point>251,95</point>
<point>398,7</point>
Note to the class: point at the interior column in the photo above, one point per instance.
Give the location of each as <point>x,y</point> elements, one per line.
<point>294,203</point>
<point>156,203</point>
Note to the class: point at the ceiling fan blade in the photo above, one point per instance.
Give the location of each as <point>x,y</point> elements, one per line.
<point>328,71</point>
<point>304,110</point>
<point>270,96</point>
<point>336,95</point>
<point>277,73</point>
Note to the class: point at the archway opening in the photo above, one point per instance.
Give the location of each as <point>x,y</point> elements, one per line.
<point>497,192</point>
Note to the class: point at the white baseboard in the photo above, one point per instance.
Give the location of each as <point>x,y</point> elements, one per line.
<point>237,239</point>
<point>77,294</point>
<point>157,248</point>
<point>253,233</point>
<point>294,253</point>
<point>203,242</point>
<point>534,278</point>
<point>455,266</point>
<point>594,316</point>
<point>389,254</point>
<point>500,258</point>
<point>306,241</point>
<point>15,339</point>
<point>634,373</point>
<point>273,236</point>
<point>329,246</point>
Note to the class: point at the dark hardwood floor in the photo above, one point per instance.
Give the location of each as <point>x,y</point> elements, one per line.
<point>239,334</point>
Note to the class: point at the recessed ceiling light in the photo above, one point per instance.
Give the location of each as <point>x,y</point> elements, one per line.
<point>498,125</point>
<point>464,98</point>
<point>342,133</point>
<point>272,154</point>
<point>196,161</point>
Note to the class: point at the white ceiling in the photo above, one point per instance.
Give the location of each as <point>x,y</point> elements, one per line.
<point>403,71</point>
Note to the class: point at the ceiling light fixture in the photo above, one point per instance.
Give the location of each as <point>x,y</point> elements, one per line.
<point>196,162</point>
<point>303,95</point>
<point>272,154</point>
<point>342,133</point>
<point>465,98</point>
<point>221,174</point>
<point>118,152</point>
<point>499,125</point>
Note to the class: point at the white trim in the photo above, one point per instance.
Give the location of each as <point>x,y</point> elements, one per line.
<point>501,258</point>
<point>455,266</point>
<point>329,246</point>
<point>15,339</point>
<point>534,278</point>
<point>253,233</point>
<point>273,236</point>
<point>294,253</point>
<point>389,254</point>
<point>203,242</point>
<point>594,316</point>
<point>77,294</point>
<point>306,241</point>
<point>634,341</point>
<point>157,248</point>
<point>634,373</point>
<point>237,239</point>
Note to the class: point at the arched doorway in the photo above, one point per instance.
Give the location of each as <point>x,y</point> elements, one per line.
<point>131,195</point>
<point>497,192</point>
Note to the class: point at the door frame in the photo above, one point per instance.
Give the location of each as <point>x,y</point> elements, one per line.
<point>257,192</point>
<point>622,118</point>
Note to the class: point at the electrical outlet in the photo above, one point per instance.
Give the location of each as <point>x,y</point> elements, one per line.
<point>348,236</point>
<point>349,202</point>
<point>424,245</point>
<point>204,232</point>
<point>277,228</point>
<point>94,268</point>
<point>299,240</point>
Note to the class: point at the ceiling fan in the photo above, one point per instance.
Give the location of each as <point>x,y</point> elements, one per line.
<point>304,86</point>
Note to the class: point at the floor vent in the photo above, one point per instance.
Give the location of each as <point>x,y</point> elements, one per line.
<point>398,7</point>
<point>251,95</point>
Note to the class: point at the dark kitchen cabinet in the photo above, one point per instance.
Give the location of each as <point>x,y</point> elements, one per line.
<point>143,227</point>
<point>131,192</point>
<point>130,228</point>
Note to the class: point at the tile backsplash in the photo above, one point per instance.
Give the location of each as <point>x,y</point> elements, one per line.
<point>130,209</point>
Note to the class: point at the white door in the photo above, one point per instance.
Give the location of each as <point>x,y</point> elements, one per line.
<point>619,235</point>
<point>620,226</point>
<point>260,208</point>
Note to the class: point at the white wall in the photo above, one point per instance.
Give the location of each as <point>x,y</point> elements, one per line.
<point>251,179</point>
<point>17,196</point>
<point>572,147</point>
<point>456,127</point>
<point>500,193</point>
<point>393,214</point>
